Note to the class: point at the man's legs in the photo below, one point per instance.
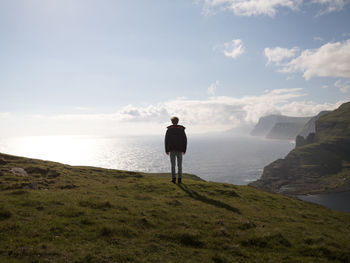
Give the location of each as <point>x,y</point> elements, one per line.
<point>173,157</point>
<point>179,165</point>
<point>172,161</point>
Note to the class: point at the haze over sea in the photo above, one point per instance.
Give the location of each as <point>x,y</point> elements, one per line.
<point>230,159</point>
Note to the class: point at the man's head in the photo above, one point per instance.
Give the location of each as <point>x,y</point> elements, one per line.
<point>174,120</point>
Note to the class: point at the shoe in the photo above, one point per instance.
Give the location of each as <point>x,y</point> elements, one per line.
<point>179,181</point>
<point>173,181</point>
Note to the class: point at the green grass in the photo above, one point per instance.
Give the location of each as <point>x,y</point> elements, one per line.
<point>61,213</point>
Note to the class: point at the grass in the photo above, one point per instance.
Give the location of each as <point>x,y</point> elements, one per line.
<point>89,214</point>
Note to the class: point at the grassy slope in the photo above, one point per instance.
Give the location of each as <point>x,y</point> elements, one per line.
<point>86,214</point>
<point>334,125</point>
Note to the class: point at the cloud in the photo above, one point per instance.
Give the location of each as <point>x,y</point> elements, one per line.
<point>330,60</point>
<point>318,38</point>
<point>233,49</point>
<point>213,87</point>
<point>221,110</point>
<point>330,5</point>
<point>343,86</point>
<point>212,114</point>
<point>5,114</point>
<point>78,108</point>
<point>266,7</point>
<point>249,7</point>
<point>277,55</point>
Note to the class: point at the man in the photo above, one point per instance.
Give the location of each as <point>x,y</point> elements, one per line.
<point>175,145</point>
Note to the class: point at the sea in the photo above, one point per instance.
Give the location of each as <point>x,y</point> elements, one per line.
<point>222,158</point>
<point>230,159</point>
<point>336,201</point>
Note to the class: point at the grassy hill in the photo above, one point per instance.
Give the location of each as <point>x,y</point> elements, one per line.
<point>322,165</point>
<point>50,212</point>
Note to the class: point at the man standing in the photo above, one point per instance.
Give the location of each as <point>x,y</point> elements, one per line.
<point>175,144</point>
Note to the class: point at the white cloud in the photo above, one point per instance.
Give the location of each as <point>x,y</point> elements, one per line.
<point>318,38</point>
<point>249,7</point>
<point>266,7</point>
<point>5,114</point>
<point>343,86</point>
<point>78,108</point>
<point>219,111</point>
<point>234,48</point>
<point>345,89</point>
<point>330,60</point>
<point>213,87</point>
<point>199,116</point>
<point>330,5</point>
<point>277,55</point>
<point>212,114</point>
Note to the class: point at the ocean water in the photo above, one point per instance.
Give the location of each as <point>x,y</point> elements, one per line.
<point>237,160</point>
<point>336,201</point>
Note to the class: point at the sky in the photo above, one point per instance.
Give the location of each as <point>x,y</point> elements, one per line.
<point>110,67</point>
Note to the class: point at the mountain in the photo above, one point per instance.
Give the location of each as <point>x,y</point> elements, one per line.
<point>310,126</point>
<point>265,124</point>
<point>279,126</point>
<point>50,212</point>
<point>320,164</point>
<point>307,133</point>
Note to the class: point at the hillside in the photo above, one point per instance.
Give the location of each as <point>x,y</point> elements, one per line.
<point>279,126</point>
<point>310,126</point>
<point>50,212</point>
<point>321,165</point>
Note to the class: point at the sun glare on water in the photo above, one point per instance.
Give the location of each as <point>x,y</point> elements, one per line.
<point>66,149</point>
<point>122,153</point>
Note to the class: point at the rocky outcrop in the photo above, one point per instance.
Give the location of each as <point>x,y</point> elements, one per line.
<point>301,141</point>
<point>19,171</point>
<point>320,163</point>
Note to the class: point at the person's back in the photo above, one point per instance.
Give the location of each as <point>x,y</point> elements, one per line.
<point>175,139</point>
<point>176,145</point>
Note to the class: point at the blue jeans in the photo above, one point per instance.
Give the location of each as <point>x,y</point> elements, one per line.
<point>173,157</point>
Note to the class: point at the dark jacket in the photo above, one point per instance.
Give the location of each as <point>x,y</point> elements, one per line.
<point>175,139</point>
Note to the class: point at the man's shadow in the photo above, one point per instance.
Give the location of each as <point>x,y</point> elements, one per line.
<point>193,194</point>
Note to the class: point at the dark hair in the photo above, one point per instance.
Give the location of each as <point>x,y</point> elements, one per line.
<point>174,120</point>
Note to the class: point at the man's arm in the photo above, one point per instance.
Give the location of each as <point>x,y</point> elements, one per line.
<point>185,142</point>
<point>166,142</point>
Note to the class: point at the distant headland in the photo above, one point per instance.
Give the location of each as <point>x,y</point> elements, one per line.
<point>321,160</point>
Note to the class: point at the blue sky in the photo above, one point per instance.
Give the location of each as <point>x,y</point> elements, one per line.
<point>122,67</point>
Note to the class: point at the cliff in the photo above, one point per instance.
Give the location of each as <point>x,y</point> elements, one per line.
<point>310,126</point>
<point>50,212</point>
<point>285,130</point>
<point>320,164</point>
<point>279,127</point>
